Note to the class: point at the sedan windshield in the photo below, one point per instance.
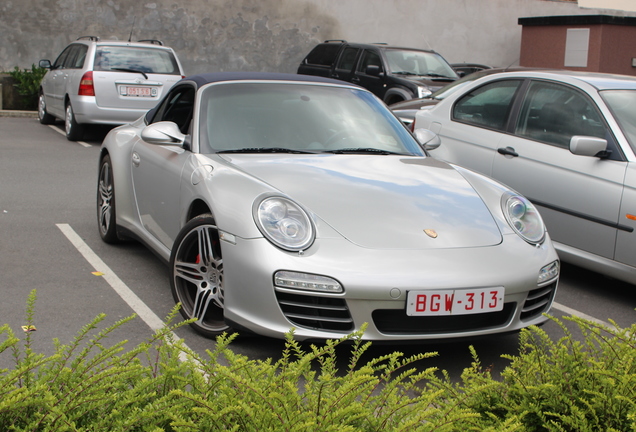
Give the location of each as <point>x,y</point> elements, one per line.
<point>622,103</point>
<point>420,63</point>
<point>277,117</point>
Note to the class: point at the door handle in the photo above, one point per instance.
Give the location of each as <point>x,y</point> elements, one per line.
<point>508,151</point>
<point>136,160</point>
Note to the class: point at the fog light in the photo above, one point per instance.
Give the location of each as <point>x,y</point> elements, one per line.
<point>549,272</point>
<point>305,281</point>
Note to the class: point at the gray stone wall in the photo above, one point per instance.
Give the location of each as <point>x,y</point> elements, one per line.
<point>272,35</point>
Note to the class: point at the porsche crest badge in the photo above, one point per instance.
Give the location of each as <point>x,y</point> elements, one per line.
<point>431,233</point>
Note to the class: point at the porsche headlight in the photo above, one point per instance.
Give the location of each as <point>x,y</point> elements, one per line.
<point>524,218</point>
<point>284,223</point>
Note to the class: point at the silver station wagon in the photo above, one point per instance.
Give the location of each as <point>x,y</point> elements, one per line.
<point>105,82</point>
<point>566,141</point>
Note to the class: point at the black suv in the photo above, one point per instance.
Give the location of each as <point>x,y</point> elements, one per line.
<point>394,74</point>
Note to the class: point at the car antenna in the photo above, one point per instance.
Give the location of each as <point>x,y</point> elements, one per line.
<point>131,30</point>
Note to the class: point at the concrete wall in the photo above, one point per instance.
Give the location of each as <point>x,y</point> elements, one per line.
<point>273,35</point>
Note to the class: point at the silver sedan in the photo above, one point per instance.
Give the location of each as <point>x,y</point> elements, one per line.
<point>289,201</point>
<point>565,140</point>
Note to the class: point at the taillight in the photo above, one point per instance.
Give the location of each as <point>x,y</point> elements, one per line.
<point>86,87</point>
<point>412,127</point>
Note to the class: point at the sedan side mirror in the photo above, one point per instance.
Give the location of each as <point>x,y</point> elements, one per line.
<point>429,140</point>
<point>45,64</point>
<point>163,133</point>
<point>588,146</point>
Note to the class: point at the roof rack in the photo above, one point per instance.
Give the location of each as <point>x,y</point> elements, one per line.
<point>379,43</point>
<point>151,41</point>
<point>335,40</point>
<point>91,38</point>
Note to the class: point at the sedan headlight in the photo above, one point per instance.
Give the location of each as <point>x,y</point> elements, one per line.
<point>284,223</point>
<point>524,218</point>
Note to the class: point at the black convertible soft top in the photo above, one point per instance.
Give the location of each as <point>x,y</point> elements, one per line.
<point>206,78</point>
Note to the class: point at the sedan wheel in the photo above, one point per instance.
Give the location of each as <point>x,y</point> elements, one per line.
<point>74,130</point>
<point>43,115</point>
<point>197,276</point>
<point>106,202</point>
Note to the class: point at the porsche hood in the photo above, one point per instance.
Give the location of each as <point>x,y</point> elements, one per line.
<point>381,202</point>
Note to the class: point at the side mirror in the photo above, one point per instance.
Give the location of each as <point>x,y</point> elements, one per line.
<point>163,133</point>
<point>373,70</point>
<point>429,140</point>
<point>588,146</point>
<point>45,64</point>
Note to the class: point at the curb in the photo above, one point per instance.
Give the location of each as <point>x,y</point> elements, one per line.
<point>13,113</point>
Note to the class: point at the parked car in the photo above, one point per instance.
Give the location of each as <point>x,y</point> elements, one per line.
<point>407,110</point>
<point>565,140</point>
<point>105,82</point>
<point>393,74</point>
<point>284,200</point>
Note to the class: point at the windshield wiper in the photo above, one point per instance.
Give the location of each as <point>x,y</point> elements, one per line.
<point>266,150</point>
<point>363,150</point>
<point>434,75</point>
<point>404,73</point>
<point>130,70</point>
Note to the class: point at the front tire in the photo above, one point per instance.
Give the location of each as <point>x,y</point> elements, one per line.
<point>44,117</point>
<point>106,216</point>
<point>74,130</point>
<point>196,276</point>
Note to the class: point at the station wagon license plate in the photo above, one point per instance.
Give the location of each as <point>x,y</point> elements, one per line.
<point>454,302</point>
<point>138,91</point>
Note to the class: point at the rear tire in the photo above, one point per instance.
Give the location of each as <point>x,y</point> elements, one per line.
<point>74,130</point>
<point>106,216</point>
<point>43,115</point>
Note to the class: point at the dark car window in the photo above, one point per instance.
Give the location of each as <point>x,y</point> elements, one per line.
<point>488,105</point>
<point>79,57</point>
<point>347,58</point>
<point>76,56</point>
<point>369,58</point>
<point>553,113</point>
<point>148,60</point>
<point>177,108</point>
<point>323,54</point>
<point>61,59</point>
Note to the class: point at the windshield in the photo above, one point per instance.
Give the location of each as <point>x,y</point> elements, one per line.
<point>421,63</point>
<point>261,116</point>
<point>147,60</point>
<point>622,103</point>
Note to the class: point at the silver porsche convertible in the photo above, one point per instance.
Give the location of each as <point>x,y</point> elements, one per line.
<point>290,201</point>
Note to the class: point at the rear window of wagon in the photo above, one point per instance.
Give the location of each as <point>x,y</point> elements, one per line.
<point>148,60</point>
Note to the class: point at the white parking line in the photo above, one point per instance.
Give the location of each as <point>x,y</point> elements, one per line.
<point>136,304</point>
<point>58,130</point>
<point>570,311</point>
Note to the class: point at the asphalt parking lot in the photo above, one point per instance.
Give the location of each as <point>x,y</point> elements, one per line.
<point>49,242</point>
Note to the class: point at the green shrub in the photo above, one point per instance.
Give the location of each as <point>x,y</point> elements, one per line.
<point>560,386</point>
<point>160,385</point>
<point>27,83</point>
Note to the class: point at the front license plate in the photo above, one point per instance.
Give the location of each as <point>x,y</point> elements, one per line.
<point>138,91</point>
<point>454,302</point>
